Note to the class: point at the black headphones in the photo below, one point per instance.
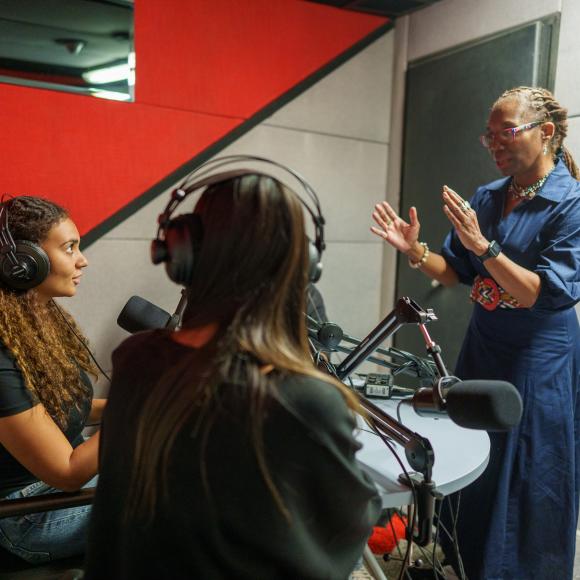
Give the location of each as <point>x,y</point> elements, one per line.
<point>178,240</point>
<point>23,264</point>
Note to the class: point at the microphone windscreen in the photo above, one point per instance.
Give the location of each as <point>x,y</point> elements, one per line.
<point>488,405</point>
<point>140,314</point>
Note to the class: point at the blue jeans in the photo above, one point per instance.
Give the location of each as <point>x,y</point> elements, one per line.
<point>46,536</point>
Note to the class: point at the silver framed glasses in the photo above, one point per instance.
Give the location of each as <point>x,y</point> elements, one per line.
<point>506,135</point>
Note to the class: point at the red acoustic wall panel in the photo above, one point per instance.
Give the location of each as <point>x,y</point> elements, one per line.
<point>203,69</point>
<point>227,57</point>
<point>94,156</point>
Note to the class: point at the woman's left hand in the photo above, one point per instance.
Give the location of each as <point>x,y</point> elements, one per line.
<point>464,220</point>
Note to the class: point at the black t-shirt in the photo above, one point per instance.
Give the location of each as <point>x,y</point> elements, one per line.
<point>235,530</point>
<point>16,398</point>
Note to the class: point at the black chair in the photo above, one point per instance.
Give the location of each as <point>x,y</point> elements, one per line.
<point>14,568</point>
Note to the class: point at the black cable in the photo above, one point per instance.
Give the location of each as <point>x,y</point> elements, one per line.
<point>399,409</point>
<point>427,367</point>
<point>368,431</point>
<point>452,535</point>
<point>411,518</point>
<point>414,512</point>
<point>438,515</point>
<point>431,560</point>
<point>313,304</point>
<point>456,539</point>
<point>81,340</point>
<point>394,532</point>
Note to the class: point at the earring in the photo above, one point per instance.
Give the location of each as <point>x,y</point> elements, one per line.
<point>545,149</point>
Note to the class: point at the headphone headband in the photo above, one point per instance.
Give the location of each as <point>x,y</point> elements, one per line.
<point>183,190</point>
<point>7,245</point>
<point>204,176</point>
<point>189,232</point>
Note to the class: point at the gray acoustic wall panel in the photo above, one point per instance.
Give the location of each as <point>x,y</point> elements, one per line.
<point>338,143</point>
<point>451,23</point>
<point>353,101</point>
<point>567,77</point>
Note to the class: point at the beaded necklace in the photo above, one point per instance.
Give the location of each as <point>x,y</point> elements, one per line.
<point>519,192</point>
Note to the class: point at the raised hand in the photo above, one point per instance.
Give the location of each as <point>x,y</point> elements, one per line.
<point>395,230</point>
<point>464,220</point>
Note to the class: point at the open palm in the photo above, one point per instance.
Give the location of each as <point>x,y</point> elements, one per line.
<point>395,230</point>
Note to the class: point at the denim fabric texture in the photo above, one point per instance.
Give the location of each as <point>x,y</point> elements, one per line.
<point>43,537</point>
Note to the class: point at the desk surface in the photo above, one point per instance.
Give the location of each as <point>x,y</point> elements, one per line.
<point>461,455</point>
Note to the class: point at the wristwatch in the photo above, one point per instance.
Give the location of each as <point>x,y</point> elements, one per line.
<point>493,250</point>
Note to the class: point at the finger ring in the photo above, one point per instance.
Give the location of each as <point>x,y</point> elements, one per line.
<point>465,206</point>
<point>389,222</point>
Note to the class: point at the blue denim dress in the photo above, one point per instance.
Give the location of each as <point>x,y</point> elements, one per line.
<point>518,520</point>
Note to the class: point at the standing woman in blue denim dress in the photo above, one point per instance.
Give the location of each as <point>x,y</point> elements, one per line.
<point>517,244</point>
<point>45,393</point>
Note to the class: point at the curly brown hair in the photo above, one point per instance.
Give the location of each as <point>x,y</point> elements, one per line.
<point>541,101</point>
<point>44,347</point>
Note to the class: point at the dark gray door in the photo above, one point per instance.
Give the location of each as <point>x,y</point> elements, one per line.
<point>447,104</point>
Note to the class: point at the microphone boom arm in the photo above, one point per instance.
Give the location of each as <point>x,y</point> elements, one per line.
<point>175,321</point>
<point>406,311</point>
<point>418,449</point>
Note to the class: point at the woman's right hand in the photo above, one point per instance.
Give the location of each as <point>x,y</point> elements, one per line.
<point>396,231</point>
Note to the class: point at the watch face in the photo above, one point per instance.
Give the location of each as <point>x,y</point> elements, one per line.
<point>494,249</point>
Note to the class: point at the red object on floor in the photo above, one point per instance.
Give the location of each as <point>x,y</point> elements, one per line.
<point>384,538</point>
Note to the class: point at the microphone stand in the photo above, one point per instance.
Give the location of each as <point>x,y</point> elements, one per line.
<point>175,321</point>
<point>330,336</point>
<point>418,449</point>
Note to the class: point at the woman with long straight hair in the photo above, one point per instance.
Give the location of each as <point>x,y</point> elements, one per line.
<point>46,396</point>
<point>225,453</point>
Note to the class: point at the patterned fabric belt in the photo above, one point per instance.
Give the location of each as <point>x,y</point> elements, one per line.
<point>488,293</point>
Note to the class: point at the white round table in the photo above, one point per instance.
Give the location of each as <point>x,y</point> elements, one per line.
<point>461,455</point>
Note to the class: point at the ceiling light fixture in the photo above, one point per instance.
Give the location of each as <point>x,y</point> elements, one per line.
<point>111,95</point>
<point>107,74</point>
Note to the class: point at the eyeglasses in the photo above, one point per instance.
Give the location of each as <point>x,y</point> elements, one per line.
<point>506,135</point>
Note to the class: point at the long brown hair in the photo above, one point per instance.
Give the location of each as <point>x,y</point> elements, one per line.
<point>44,347</point>
<point>541,102</point>
<point>251,278</point>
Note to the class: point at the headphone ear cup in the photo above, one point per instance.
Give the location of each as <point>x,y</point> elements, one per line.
<point>32,269</point>
<point>314,263</point>
<point>182,243</point>
<point>158,251</point>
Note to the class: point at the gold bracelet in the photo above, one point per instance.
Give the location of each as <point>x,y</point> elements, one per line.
<point>423,258</point>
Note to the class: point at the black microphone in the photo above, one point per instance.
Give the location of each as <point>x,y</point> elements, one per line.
<point>140,314</point>
<point>477,404</point>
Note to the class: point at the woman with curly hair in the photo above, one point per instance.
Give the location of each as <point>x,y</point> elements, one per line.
<point>45,393</point>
